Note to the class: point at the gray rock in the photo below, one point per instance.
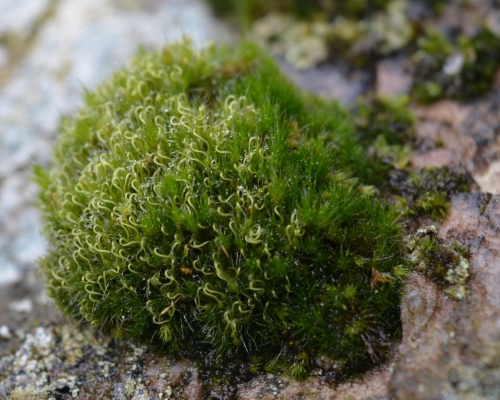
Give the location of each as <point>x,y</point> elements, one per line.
<point>19,16</point>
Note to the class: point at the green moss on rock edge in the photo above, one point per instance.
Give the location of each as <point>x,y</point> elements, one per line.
<point>199,201</point>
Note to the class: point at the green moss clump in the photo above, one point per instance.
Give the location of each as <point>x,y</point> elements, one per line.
<point>198,200</point>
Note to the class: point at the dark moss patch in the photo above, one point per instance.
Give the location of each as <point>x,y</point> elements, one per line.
<point>249,10</point>
<point>460,67</point>
<point>385,127</point>
<point>426,192</point>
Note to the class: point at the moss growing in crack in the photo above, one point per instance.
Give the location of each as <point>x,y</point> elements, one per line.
<point>198,200</point>
<point>446,265</point>
<point>386,128</point>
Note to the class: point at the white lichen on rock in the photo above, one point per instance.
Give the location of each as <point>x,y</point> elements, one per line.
<point>445,264</point>
<point>457,279</point>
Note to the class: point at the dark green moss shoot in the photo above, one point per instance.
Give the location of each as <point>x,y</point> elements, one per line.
<point>391,118</point>
<point>199,201</point>
<point>386,127</point>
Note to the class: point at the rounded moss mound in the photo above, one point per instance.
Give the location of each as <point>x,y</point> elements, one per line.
<point>198,200</point>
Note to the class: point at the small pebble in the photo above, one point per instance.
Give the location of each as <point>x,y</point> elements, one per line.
<point>5,332</point>
<point>22,306</point>
<point>454,64</point>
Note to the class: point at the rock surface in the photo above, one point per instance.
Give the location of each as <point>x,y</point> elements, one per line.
<point>450,349</point>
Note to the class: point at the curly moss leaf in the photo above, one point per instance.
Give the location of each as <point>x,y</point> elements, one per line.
<point>195,201</point>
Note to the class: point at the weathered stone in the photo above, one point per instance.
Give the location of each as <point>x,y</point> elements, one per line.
<point>451,349</point>
<point>371,387</point>
<point>331,81</point>
<point>452,134</point>
<point>439,139</point>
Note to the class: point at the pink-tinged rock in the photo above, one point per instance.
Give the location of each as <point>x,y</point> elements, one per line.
<point>447,111</point>
<point>159,374</point>
<point>483,126</point>
<point>441,141</point>
<point>489,179</point>
<point>194,389</point>
<point>496,81</point>
<point>441,146</point>
<point>451,349</point>
<point>391,78</point>
<point>372,386</point>
<point>451,134</point>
